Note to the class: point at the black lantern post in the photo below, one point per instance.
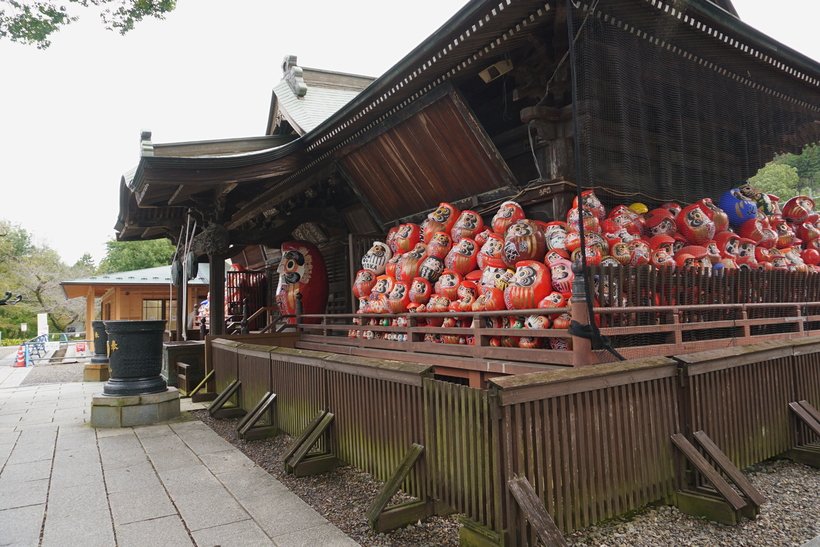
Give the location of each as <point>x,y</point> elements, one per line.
<point>135,357</point>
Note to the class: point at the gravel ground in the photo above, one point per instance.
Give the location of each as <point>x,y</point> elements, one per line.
<point>341,496</point>
<point>791,517</point>
<point>54,374</point>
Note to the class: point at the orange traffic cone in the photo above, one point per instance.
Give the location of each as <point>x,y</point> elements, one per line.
<point>21,357</point>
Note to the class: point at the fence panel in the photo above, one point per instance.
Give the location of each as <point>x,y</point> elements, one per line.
<point>299,384</point>
<point>254,371</point>
<point>594,443</point>
<point>224,362</point>
<point>378,415</point>
<point>740,399</point>
<point>463,439</point>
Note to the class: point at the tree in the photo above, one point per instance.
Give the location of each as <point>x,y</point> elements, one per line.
<point>778,179</point>
<point>123,256</point>
<point>32,22</point>
<point>807,164</point>
<point>36,273</point>
<point>86,261</point>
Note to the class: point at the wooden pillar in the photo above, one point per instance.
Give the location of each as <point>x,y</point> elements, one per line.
<point>182,314</point>
<point>217,298</point>
<point>89,315</point>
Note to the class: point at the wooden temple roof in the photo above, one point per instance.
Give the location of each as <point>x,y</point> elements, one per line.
<point>408,140</point>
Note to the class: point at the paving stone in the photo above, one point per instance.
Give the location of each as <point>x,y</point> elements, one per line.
<point>282,514</point>
<point>326,535</point>
<point>196,478</point>
<point>20,494</point>
<point>21,526</point>
<point>245,534</point>
<point>250,484</point>
<point>168,460</point>
<point>124,479</point>
<point>159,532</point>
<point>77,501</point>
<point>206,508</point>
<point>12,418</point>
<point>158,430</point>
<point>21,472</point>
<point>89,528</point>
<point>104,433</point>
<point>205,443</point>
<point>121,451</point>
<point>227,460</point>
<point>140,504</point>
<point>70,416</point>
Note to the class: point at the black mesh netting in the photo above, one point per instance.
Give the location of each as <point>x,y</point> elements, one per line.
<point>668,111</point>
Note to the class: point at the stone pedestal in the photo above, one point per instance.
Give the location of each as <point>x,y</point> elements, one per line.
<point>98,370</point>
<point>96,373</point>
<point>132,410</point>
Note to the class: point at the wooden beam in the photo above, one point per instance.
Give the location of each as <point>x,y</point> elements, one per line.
<point>393,484</point>
<point>535,512</point>
<point>709,472</point>
<point>743,484</point>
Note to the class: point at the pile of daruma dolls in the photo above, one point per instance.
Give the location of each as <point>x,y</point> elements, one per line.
<point>454,262</point>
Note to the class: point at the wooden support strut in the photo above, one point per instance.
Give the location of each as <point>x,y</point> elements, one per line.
<point>535,512</point>
<point>247,428</point>
<point>728,506</point>
<point>299,462</point>
<point>216,408</point>
<point>195,394</point>
<point>807,453</point>
<point>383,518</point>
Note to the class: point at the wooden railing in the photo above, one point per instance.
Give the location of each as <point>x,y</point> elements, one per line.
<point>478,340</point>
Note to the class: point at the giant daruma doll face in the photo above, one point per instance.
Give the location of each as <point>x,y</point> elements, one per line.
<point>447,284</point>
<point>301,271</point>
<point>529,285</point>
<point>420,290</point>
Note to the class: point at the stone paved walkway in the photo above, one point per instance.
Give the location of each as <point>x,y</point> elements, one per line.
<point>63,483</point>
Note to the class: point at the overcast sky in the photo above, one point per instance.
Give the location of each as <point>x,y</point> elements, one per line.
<point>70,116</point>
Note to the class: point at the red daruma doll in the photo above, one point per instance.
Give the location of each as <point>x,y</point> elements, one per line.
<point>406,237</point>
<point>420,291</point>
<point>301,271</point>
<point>399,297</point>
<point>462,258</point>
<point>530,284</point>
<point>441,220</point>
<point>365,279</point>
<point>507,214</point>
<point>469,224</point>
<point>491,250</point>
<point>524,241</point>
<point>447,284</point>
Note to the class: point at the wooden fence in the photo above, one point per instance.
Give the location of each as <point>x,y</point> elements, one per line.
<point>593,442</point>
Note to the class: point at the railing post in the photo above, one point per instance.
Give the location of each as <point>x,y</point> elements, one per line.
<point>581,347</point>
<point>800,322</point>
<point>243,325</point>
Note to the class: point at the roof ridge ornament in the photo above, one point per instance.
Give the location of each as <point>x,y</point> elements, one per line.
<point>292,74</point>
<point>146,146</point>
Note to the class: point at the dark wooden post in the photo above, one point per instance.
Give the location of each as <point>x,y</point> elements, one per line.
<point>182,315</point>
<point>243,325</point>
<point>217,298</point>
<point>581,347</point>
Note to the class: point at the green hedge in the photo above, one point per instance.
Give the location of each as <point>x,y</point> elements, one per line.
<point>11,341</point>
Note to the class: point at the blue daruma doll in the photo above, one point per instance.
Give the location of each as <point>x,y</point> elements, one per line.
<point>738,208</point>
